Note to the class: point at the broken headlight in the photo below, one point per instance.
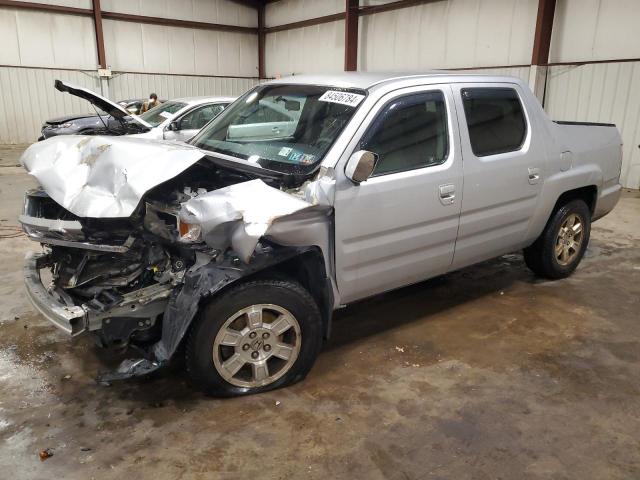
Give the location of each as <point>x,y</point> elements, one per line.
<point>165,222</point>
<point>189,233</point>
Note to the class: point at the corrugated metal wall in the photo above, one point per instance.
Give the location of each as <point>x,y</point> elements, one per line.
<point>41,39</point>
<point>314,49</point>
<point>449,34</point>
<point>604,92</point>
<point>27,98</point>
<point>171,61</point>
<point>289,11</point>
<point>586,30</point>
<point>225,12</point>
<point>520,72</point>
<point>135,47</point>
<point>129,85</point>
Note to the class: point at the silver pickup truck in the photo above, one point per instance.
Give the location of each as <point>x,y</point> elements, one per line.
<point>306,194</point>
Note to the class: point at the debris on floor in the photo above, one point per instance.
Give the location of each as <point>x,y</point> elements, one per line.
<point>45,454</point>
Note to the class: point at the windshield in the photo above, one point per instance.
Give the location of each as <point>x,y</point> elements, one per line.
<point>288,128</point>
<point>162,112</point>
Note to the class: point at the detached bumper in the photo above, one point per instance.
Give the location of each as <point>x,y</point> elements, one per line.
<point>70,319</point>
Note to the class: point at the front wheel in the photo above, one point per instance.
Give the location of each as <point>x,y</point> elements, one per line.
<point>560,247</point>
<point>255,337</point>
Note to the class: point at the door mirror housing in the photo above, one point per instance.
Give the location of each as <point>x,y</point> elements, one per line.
<point>174,126</point>
<point>360,166</point>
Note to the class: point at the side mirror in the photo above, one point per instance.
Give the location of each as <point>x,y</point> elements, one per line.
<point>360,166</point>
<point>174,126</point>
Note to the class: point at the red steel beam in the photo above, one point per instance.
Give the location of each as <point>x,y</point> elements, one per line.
<point>170,22</point>
<point>45,7</point>
<point>351,35</point>
<point>125,17</point>
<point>544,27</point>
<point>97,21</point>
<point>387,7</point>
<point>305,23</point>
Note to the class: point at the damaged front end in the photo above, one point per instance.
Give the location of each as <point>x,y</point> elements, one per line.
<point>130,248</point>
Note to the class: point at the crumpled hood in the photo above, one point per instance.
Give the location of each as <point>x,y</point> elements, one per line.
<point>104,177</point>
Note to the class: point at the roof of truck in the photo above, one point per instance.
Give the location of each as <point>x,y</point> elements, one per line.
<point>369,80</point>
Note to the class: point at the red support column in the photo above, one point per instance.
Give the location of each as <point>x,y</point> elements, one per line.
<point>97,20</point>
<point>544,27</point>
<point>351,35</point>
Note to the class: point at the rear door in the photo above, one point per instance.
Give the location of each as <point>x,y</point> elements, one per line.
<point>399,227</point>
<point>503,170</point>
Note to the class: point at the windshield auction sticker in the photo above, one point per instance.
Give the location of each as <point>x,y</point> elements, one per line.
<point>166,114</point>
<point>344,98</point>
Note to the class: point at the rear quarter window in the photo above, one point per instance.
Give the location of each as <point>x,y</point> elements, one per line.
<point>495,119</point>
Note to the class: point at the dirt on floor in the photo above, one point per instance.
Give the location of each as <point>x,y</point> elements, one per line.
<point>485,373</point>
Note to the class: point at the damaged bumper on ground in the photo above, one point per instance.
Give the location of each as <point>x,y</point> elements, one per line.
<point>135,234</point>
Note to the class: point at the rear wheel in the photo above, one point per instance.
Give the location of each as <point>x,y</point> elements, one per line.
<point>257,336</point>
<point>561,246</point>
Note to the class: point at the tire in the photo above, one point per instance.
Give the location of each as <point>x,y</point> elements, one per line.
<point>222,340</point>
<point>548,257</point>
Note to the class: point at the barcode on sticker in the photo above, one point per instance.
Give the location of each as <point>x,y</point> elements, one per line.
<point>344,98</point>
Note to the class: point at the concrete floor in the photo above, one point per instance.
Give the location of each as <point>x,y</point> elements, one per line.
<point>484,373</point>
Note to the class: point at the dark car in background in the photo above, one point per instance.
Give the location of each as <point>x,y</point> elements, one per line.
<point>100,122</point>
<point>79,124</point>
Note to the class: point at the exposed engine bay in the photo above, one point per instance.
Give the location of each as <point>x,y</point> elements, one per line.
<point>136,279</point>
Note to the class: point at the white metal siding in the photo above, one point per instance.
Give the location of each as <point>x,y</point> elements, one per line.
<point>451,34</point>
<point>289,11</point>
<point>586,30</point>
<point>147,48</point>
<point>605,92</point>
<point>314,49</point>
<point>130,85</point>
<point>520,72</point>
<point>225,12</point>
<point>27,99</point>
<point>69,3</point>
<point>44,39</point>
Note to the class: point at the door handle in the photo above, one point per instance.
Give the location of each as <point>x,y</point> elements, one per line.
<point>447,193</point>
<point>534,175</point>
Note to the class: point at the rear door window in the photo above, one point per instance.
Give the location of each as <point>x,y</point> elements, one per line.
<point>495,120</point>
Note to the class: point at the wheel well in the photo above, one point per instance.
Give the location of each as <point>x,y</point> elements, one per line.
<point>587,194</point>
<point>308,269</point>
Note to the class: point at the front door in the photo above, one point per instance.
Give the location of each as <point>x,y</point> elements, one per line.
<point>191,122</point>
<point>399,226</point>
<point>503,171</point>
